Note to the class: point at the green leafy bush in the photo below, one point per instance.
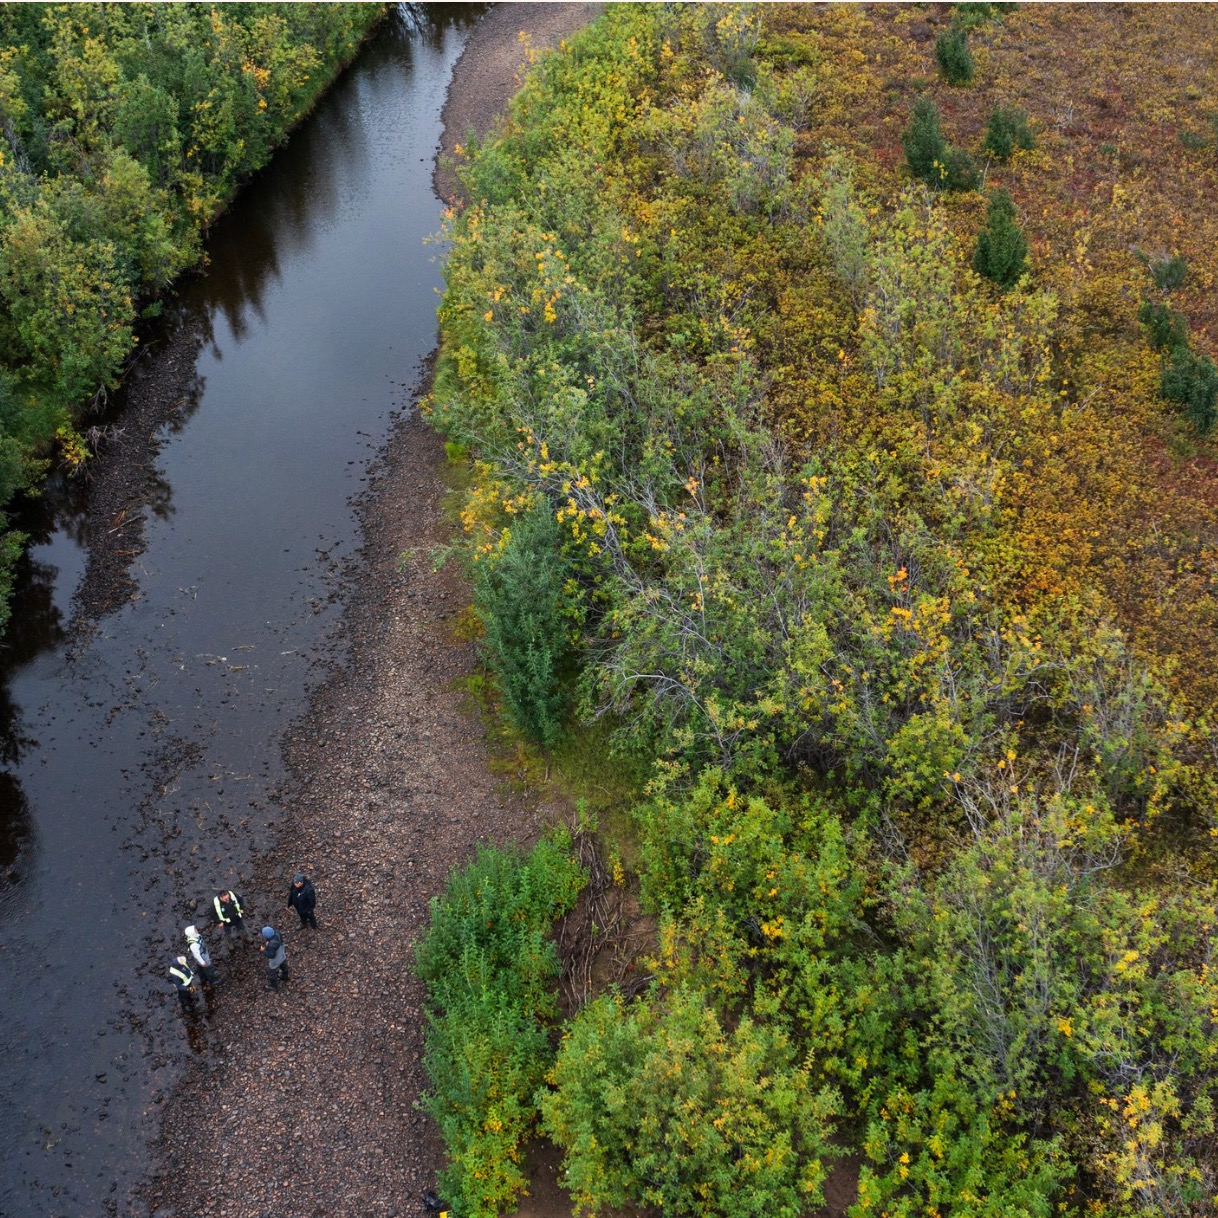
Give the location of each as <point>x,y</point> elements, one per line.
<point>955,58</point>
<point>1006,130</point>
<point>658,1105</point>
<point>1192,380</point>
<point>1002,249</point>
<point>489,966</point>
<point>520,595</point>
<point>485,1057</point>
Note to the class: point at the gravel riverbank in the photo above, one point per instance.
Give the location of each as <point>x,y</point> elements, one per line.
<point>303,1102</point>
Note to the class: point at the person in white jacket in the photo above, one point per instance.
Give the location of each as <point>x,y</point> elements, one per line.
<point>200,957</point>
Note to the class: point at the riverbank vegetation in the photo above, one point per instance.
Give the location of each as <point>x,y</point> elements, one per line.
<point>124,129</point>
<point>869,493</point>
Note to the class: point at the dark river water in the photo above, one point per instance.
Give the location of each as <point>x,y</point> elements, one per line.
<point>140,761</point>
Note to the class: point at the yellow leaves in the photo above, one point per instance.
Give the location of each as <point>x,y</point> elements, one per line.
<point>1065,1027</point>
<point>72,448</point>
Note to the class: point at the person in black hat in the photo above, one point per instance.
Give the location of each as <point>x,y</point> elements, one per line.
<point>302,899</point>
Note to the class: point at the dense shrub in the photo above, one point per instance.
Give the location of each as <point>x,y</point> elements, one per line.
<point>1002,249</point>
<point>840,515</point>
<point>490,966</point>
<point>955,58</point>
<point>519,592</point>
<point>658,1105</point>
<point>1006,130</point>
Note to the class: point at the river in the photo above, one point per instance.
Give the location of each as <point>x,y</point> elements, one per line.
<point>141,754</point>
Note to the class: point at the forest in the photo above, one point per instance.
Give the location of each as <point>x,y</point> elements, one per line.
<point>124,130</point>
<point>837,392</point>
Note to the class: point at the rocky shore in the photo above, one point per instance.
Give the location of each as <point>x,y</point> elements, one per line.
<point>303,1104</point>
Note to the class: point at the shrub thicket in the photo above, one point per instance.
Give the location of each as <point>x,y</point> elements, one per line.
<point>658,1105</point>
<point>490,968</point>
<point>910,775</point>
<point>519,593</point>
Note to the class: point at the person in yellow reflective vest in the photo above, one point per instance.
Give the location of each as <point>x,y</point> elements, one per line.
<point>230,914</point>
<point>183,978</point>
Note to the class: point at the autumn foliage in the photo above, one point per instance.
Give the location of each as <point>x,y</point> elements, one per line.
<point>902,574</point>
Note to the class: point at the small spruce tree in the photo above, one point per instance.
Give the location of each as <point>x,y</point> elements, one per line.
<point>1169,273</point>
<point>1002,250</point>
<point>1165,328</point>
<point>925,147</point>
<point>1007,130</point>
<point>955,58</point>
<point>1192,381</point>
<point>930,156</point>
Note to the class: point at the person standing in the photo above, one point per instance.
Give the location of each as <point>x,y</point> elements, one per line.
<point>200,957</point>
<point>276,957</point>
<point>183,978</point>
<point>229,914</point>
<point>302,898</point>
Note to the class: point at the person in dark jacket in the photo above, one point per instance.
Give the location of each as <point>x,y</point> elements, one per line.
<point>302,898</point>
<point>183,978</point>
<point>230,914</point>
<point>276,957</point>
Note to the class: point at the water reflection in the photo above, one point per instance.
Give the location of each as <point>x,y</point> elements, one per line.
<point>156,761</point>
<point>16,830</point>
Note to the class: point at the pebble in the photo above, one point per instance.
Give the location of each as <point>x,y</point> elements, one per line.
<point>248,1129</point>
